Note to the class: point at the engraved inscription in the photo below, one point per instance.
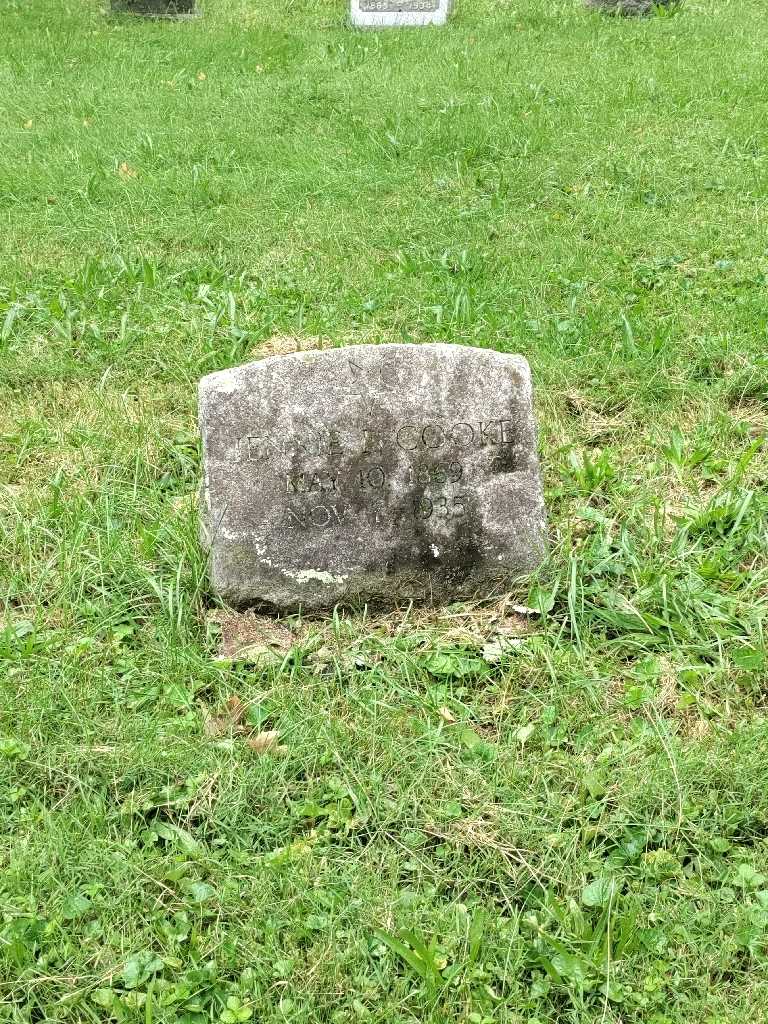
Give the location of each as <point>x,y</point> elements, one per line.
<point>430,459</point>
<point>261,447</point>
<point>309,483</point>
<point>441,506</point>
<point>385,378</point>
<point>398,6</point>
<point>333,444</point>
<point>437,474</point>
<point>318,515</point>
<point>375,477</point>
<point>371,443</point>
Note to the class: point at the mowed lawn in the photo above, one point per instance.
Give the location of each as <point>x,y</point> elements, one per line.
<point>475,815</point>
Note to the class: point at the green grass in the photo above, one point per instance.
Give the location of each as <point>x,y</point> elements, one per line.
<point>571,829</point>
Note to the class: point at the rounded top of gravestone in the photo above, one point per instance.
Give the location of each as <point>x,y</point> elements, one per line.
<point>371,367</point>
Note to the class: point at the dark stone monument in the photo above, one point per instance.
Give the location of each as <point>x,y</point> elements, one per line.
<point>373,473</point>
<point>628,8</point>
<point>156,8</point>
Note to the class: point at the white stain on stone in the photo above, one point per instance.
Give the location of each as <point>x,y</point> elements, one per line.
<point>309,575</point>
<point>435,550</point>
<point>224,382</point>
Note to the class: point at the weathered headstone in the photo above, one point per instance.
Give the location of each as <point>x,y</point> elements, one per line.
<point>373,473</point>
<point>156,8</point>
<point>393,13</point>
<point>629,8</point>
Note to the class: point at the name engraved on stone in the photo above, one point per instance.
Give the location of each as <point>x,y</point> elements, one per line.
<point>409,437</point>
<point>262,447</point>
<point>314,496</point>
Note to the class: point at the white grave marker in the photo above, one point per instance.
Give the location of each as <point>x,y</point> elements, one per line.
<point>387,13</point>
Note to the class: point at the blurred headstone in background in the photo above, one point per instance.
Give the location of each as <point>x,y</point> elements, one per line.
<point>396,13</point>
<point>156,8</point>
<point>627,7</point>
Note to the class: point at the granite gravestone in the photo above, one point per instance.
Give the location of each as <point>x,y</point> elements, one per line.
<point>628,8</point>
<point>374,473</point>
<point>393,13</point>
<point>156,8</point>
